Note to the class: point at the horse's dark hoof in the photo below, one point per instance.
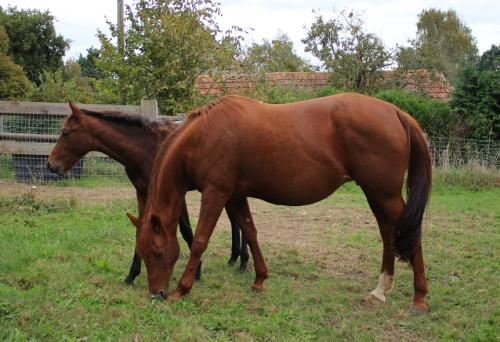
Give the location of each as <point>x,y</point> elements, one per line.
<point>243,268</point>
<point>129,280</point>
<point>258,287</point>
<point>232,262</point>
<point>418,310</point>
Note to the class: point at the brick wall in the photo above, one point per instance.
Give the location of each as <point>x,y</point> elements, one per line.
<point>435,86</point>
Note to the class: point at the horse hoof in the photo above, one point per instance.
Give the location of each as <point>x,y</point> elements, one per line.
<point>129,280</point>
<point>242,268</point>
<point>258,287</point>
<point>231,262</point>
<point>371,299</point>
<point>419,310</point>
<point>174,296</point>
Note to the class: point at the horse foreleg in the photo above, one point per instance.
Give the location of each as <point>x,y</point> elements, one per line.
<point>235,239</point>
<point>244,219</point>
<point>187,232</point>
<point>135,267</point>
<point>212,203</point>
<point>244,254</point>
<point>135,270</point>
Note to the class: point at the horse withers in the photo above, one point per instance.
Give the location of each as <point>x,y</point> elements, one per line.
<point>288,154</point>
<point>133,142</point>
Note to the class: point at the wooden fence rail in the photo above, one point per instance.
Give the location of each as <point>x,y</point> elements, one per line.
<point>41,144</point>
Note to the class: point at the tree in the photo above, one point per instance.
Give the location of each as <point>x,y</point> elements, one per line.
<point>13,81</point>
<point>168,44</point>
<point>355,57</point>
<point>476,98</point>
<point>65,84</point>
<point>276,55</point>
<point>443,42</point>
<point>34,43</point>
<point>88,63</point>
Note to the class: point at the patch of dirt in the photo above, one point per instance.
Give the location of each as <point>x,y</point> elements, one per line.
<point>314,232</point>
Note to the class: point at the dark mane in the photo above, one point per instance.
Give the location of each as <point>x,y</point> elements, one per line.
<point>159,126</point>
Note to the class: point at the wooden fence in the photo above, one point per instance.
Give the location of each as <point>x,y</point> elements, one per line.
<point>42,144</point>
<point>29,130</point>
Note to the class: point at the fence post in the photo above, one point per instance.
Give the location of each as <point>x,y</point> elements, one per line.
<point>1,123</point>
<point>149,109</point>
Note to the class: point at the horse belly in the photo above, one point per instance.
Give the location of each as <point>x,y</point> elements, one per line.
<point>286,185</point>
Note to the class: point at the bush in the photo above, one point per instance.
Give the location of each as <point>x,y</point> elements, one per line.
<point>476,99</point>
<point>57,87</point>
<point>435,117</point>
<point>327,91</point>
<point>280,94</point>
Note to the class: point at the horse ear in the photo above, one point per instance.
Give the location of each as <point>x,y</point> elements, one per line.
<point>135,221</point>
<point>155,222</point>
<point>75,111</point>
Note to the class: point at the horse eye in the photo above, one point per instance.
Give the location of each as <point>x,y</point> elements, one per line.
<point>65,134</point>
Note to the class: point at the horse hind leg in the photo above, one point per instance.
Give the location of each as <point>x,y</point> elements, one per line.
<point>387,211</point>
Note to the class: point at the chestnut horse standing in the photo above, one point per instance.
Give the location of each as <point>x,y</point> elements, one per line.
<point>288,154</point>
<point>133,142</point>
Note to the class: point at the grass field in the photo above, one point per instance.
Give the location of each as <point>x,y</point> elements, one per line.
<point>62,263</point>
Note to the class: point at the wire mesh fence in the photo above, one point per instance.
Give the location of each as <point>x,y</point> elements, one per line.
<point>28,132</point>
<point>26,140</point>
<point>25,143</point>
<point>458,153</point>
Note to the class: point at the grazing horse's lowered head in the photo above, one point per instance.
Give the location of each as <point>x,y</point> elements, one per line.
<point>158,252</point>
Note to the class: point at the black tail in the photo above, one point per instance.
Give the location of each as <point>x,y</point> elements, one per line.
<point>418,190</point>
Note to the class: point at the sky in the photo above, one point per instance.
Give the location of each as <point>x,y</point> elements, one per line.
<point>394,21</point>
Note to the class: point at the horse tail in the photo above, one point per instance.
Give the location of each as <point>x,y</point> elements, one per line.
<point>418,187</point>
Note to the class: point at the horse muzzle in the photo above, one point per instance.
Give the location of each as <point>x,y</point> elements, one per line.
<point>56,168</point>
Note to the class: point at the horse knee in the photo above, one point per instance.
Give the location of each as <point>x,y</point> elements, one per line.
<point>198,246</point>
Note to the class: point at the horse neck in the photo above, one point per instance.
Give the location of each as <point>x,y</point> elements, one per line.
<point>131,146</point>
<point>168,175</point>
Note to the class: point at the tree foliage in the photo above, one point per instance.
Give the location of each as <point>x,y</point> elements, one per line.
<point>168,44</point>
<point>34,43</point>
<point>88,63</point>
<point>355,56</point>
<point>443,42</point>
<point>435,117</point>
<point>13,81</point>
<point>65,84</point>
<point>476,98</point>
<point>275,56</point>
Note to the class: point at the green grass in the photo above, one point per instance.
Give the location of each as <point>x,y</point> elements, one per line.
<point>62,264</point>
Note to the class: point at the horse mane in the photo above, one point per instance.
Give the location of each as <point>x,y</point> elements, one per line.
<point>162,126</point>
<point>216,106</point>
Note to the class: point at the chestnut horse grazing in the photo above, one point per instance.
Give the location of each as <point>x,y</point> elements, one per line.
<point>288,154</point>
<point>133,142</point>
